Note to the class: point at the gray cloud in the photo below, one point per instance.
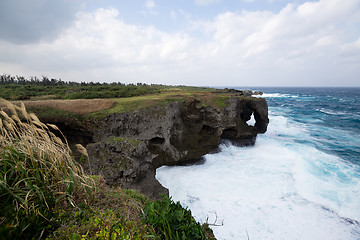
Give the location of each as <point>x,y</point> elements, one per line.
<point>23,21</point>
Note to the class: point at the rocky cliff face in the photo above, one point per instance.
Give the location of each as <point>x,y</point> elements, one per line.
<point>128,147</point>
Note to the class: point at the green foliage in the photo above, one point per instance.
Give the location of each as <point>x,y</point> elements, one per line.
<point>19,224</point>
<point>221,102</point>
<point>114,213</point>
<point>125,140</point>
<point>88,223</point>
<point>23,92</point>
<point>172,221</point>
<point>19,88</point>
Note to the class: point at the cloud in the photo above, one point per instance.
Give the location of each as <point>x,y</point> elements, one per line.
<point>24,21</point>
<point>150,4</point>
<point>290,37</point>
<point>173,15</point>
<point>206,2</point>
<point>302,44</point>
<point>350,53</point>
<point>180,14</point>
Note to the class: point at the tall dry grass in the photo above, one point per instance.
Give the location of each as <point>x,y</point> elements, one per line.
<point>37,171</point>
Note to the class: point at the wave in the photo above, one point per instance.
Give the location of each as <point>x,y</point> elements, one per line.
<point>331,112</point>
<point>276,95</point>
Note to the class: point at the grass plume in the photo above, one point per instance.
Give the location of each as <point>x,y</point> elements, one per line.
<point>37,172</point>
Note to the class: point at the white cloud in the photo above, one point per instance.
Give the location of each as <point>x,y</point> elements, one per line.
<point>351,51</point>
<point>354,46</point>
<point>206,2</point>
<point>150,4</point>
<point>173,15</point>
<point>326,41</point>
<point>149,10</point>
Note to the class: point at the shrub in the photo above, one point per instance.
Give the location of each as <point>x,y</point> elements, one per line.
<point>172,221</point>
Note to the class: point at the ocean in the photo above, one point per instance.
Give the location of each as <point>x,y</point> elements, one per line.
<point>300,181</point>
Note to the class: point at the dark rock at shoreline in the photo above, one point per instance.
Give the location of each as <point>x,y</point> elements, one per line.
<point>127,162</point>
<point>239,92</point>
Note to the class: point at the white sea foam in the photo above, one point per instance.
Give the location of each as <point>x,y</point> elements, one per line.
<point>331,112</point>
<point>276,95</point>
<point>252,121</point>
<point>277,189</point>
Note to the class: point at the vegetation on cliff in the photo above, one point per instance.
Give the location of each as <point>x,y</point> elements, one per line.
<point>44,193</point>
<point>20,88</point>
<point>54,98</point>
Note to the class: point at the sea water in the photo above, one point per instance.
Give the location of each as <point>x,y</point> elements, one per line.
<point>301,179</point>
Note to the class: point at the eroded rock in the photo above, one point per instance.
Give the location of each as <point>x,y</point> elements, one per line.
<point>124,161</point>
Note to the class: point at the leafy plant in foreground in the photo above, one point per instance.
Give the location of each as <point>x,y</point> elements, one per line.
<point>172,221</point>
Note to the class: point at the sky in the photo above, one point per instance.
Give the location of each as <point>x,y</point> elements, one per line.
<point>184,42</point>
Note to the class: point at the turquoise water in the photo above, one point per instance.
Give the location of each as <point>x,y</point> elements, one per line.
<point>332,116</point>
<point>301,180</point>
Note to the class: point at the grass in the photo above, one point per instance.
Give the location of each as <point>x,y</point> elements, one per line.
<point>44,193</point>
<point>37,173</point>
<point>81,106</point>
<point>122,105</point>
<point>129,104</point>
<point>44,112</point>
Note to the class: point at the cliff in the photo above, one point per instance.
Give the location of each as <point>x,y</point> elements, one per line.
<point>127,147</point>
<point>130,146</point>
